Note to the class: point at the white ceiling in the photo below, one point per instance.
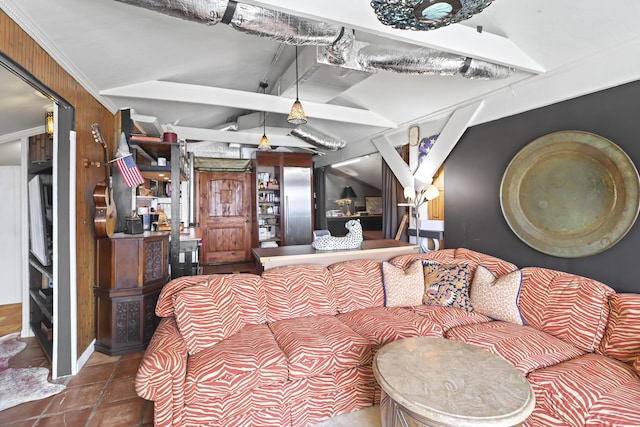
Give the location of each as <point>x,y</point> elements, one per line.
<point>180,72</point>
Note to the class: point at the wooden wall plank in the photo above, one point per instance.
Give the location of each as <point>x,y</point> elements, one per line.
<point>21,48</point>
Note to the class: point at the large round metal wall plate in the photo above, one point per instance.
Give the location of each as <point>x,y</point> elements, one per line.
<point>570,194</point>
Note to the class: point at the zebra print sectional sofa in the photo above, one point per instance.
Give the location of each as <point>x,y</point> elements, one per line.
<point>295,346</point>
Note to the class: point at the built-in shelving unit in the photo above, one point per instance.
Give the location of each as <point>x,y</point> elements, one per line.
<point>41,278</point>
<point>167,178</point>
<point>268,208</point>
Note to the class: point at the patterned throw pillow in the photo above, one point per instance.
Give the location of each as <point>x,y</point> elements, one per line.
<point>447,285</point>
<point>206,316</point>
<point>497,297</point>
<point>402,287</point>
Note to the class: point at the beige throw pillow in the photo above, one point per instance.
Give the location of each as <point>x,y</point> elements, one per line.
<point>402,287</point>
<point>497,297</point>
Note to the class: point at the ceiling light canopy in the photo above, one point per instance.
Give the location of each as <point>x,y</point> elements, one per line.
<point>425,14</point>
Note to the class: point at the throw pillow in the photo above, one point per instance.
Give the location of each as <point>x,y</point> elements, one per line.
<point>447,285</point>
<point>206,316</point>
<point>402,287</point>
<point>636,365</point>
<point>497,297</point>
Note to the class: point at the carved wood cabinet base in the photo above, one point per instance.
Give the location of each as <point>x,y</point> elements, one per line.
<point>131,270</point>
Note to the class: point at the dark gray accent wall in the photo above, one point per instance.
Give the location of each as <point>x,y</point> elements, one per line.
<point>473,171</point>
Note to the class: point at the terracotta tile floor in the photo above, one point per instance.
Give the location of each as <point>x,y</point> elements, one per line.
<point>101,394</point>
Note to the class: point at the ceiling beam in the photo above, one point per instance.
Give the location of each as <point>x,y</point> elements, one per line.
<point>456,38</point>
<point>250,137</point>
<point>447,140</point>
<point>207,95</point>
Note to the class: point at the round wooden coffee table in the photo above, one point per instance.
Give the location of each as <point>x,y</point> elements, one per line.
<point>439,382</point>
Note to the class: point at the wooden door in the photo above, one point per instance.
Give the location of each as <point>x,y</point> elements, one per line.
<point>224,213</point>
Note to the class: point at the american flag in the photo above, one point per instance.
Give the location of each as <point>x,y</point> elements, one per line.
<point>129,171</point>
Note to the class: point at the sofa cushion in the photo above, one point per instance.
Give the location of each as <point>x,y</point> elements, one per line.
<point>249,292</point>
<point>619,407</point>
<point>403,287</point>
<point>524,347</point>
<point>358,284</point>
<point>447,285</point>
<point>571,389</point>
<point>449,317</point>
<point>570,307</point>
<point>315,345</point>
<point>382,325</point>
<point>622,335</point>
<point>299,290</point>
<point>497,297</point>
<point>164,306</point>
<point>249,359</point>
<point>497,266</point>
<point>441,255</point>
<point>206,314</point>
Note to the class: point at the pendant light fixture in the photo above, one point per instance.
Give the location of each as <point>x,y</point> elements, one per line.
<point>297,116</point>
<point>264,145</point>
<point>426,14</point>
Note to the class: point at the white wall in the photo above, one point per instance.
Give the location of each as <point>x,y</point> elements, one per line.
<point>12,219</point>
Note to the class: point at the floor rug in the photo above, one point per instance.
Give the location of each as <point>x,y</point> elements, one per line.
<point>20,385</point>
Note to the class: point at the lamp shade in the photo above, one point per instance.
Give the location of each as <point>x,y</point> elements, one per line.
<point>348,193</point>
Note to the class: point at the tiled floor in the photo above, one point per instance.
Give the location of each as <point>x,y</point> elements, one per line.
<point>101,394</point>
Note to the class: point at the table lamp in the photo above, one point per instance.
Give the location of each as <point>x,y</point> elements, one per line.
<point>347,195</point>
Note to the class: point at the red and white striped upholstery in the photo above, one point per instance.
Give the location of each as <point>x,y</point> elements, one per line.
<point>271,417</point>
<point>298,291</point>
<point>162,372</point>
<point>620,407</point>
<point>358,284</point>
<point>444,255</point>
<point>249,292</point>
<point>316,345</point>
<point>524,347</point>
<point>215,411</point>
<point>310,333</point>
<point>383,325</point>
<point>206,314</point>
<point>312,411</point>
<point>497,266</point>
<point>572,308</point>
<point>569,390</point>
<point>164,307</point>
<point>249,359</point>
<point>622,337</point>
<point>449,317</point>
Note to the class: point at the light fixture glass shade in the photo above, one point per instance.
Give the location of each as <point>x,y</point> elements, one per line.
<point>49,123</point>
<point>297,116</point>
<point>431,193</point>
<point>264,143</point>
<point>426,14</point>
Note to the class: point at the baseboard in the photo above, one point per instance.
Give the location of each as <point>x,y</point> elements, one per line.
<point>84,357</point>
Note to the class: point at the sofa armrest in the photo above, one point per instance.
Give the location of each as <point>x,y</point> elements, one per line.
<point>162,372</point>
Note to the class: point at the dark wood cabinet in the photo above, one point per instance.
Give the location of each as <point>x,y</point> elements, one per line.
<point>131,270</point>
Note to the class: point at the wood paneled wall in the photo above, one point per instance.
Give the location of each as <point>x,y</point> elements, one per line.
<point>21,48</point>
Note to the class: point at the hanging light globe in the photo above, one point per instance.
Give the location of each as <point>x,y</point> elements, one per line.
<point>425,15</point>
